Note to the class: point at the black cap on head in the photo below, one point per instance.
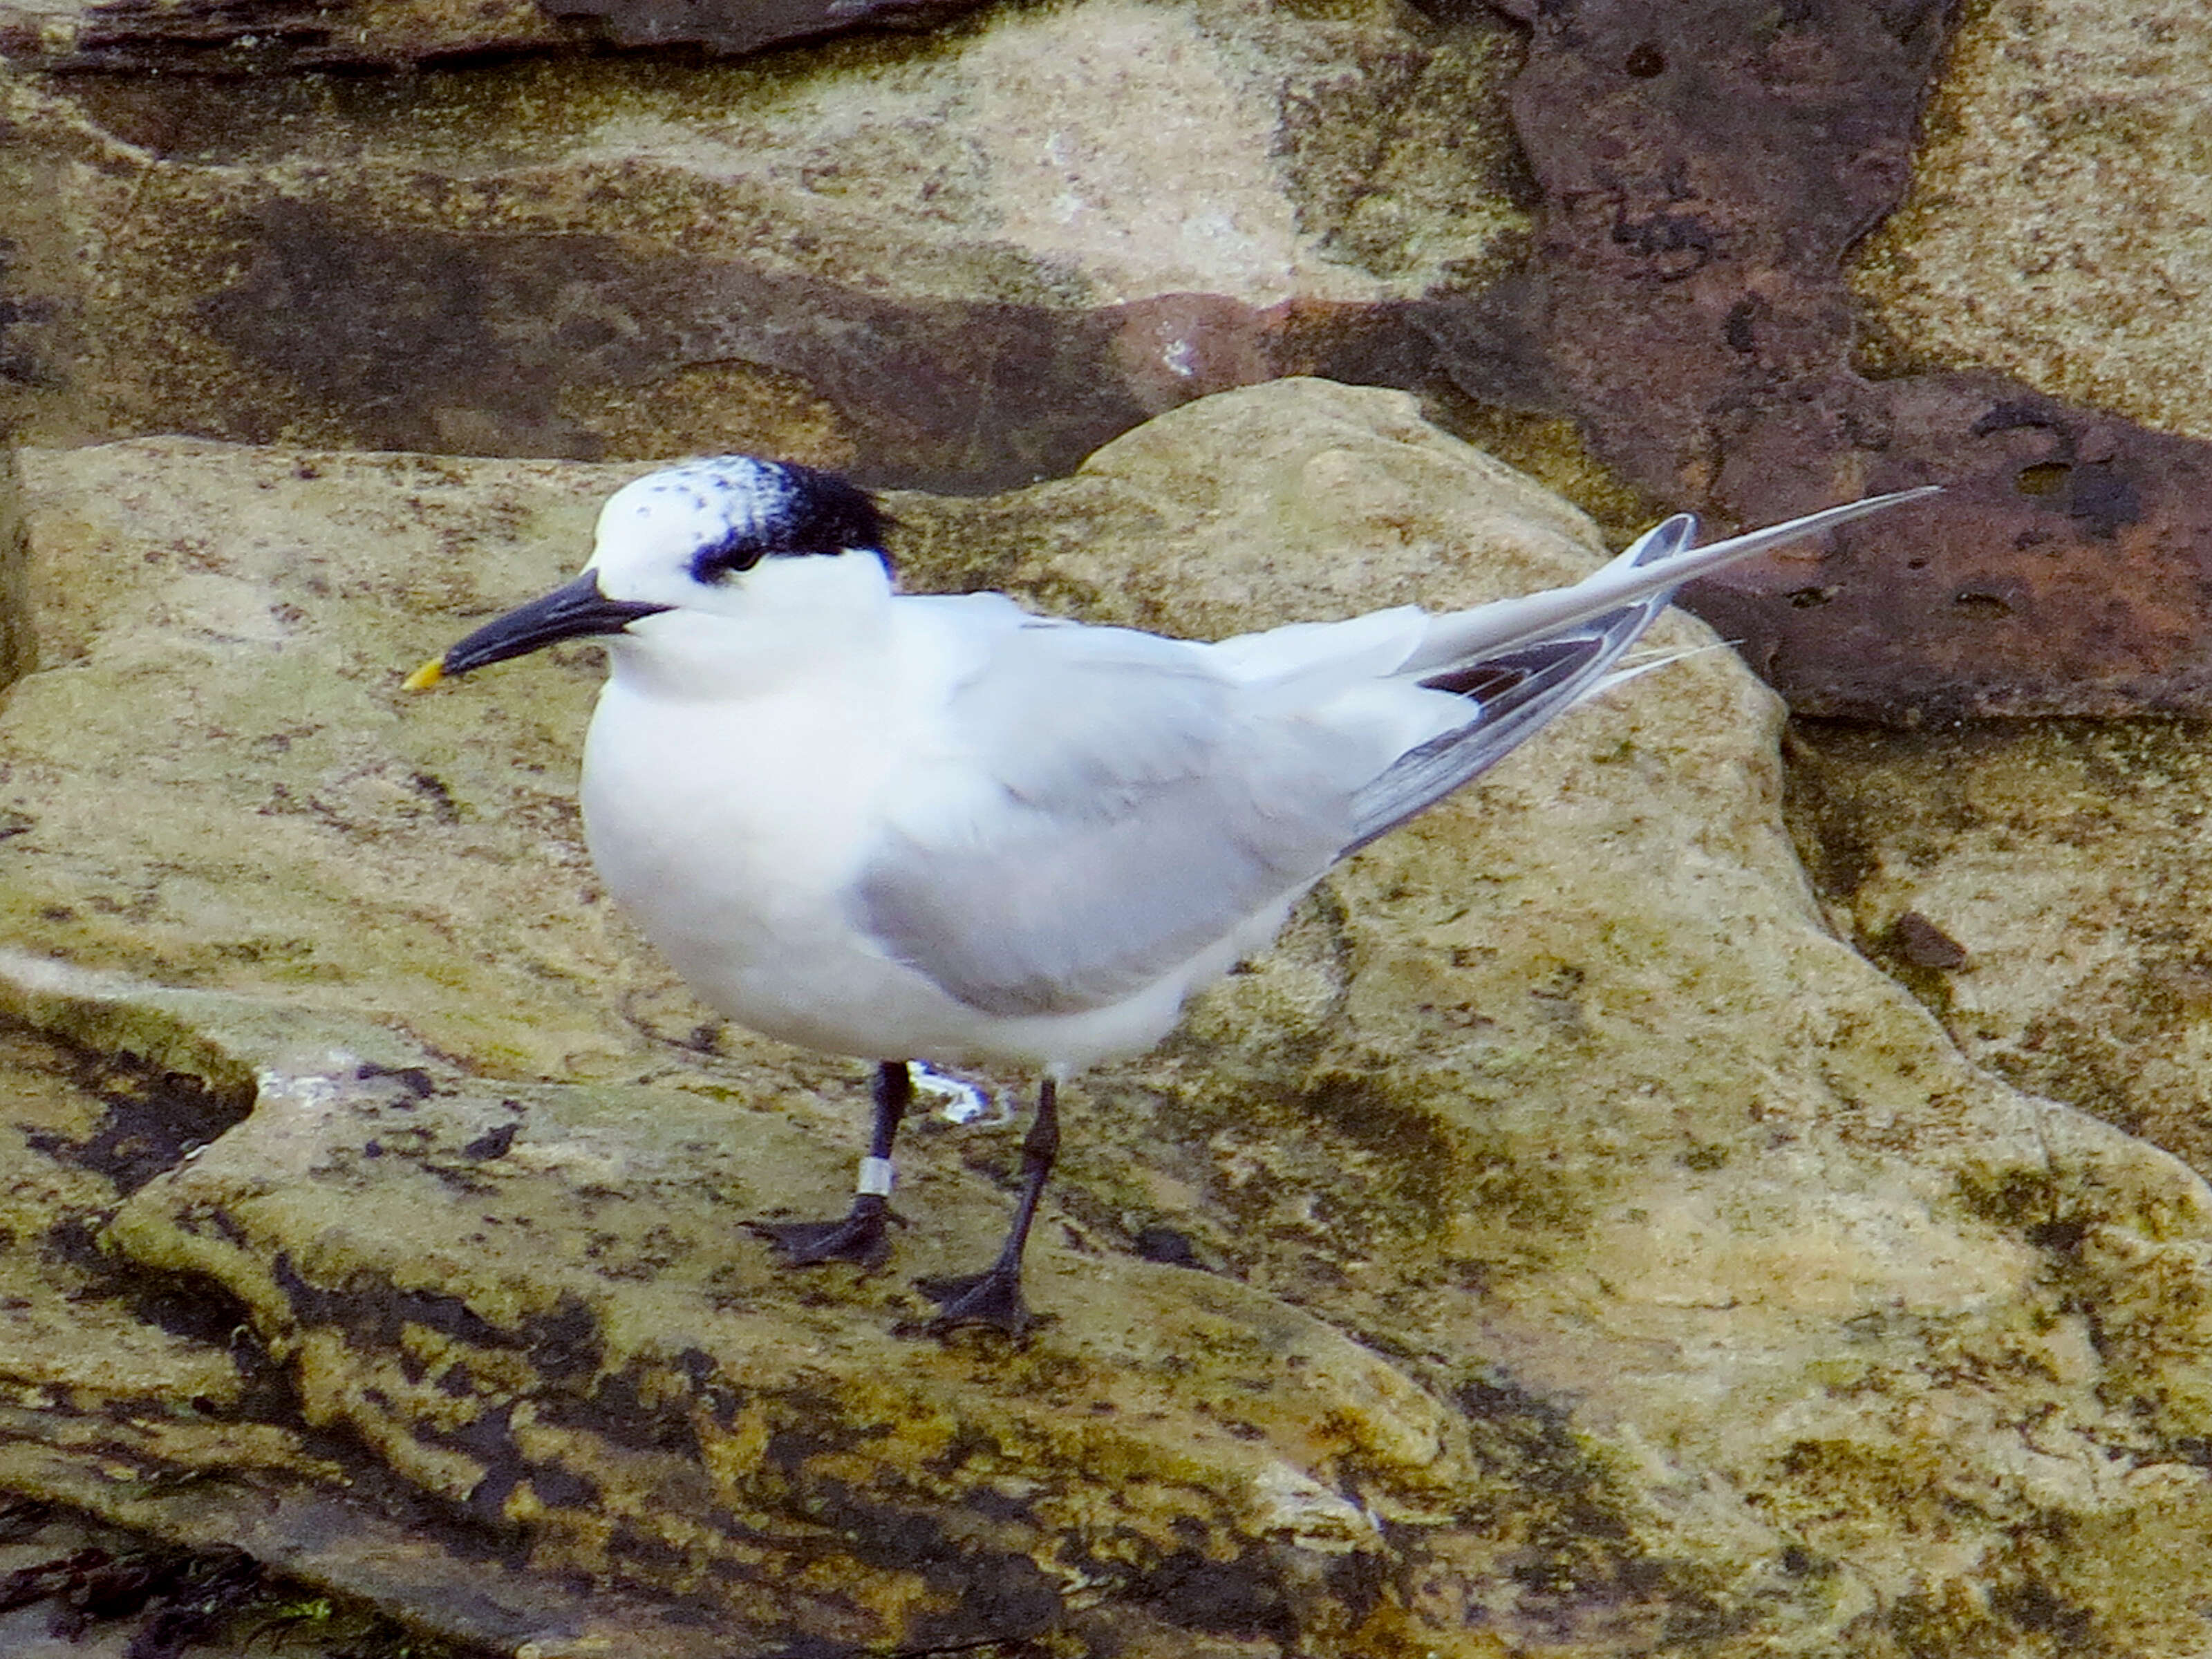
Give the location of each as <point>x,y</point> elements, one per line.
<point>784,510</point>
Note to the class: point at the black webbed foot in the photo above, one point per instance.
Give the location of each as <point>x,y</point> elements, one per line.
<point>992,1297</point>
<point>862,1236</point>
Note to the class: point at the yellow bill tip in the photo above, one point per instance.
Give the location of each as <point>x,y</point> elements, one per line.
<point>426,676</point>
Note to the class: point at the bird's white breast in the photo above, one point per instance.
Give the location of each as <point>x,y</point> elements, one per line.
<point>731,828</point>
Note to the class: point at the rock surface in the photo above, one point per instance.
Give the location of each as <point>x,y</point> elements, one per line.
<point>232,37</point>
<point>227,38</point>
<point>76,1589</point>
<point>1595,1254</point>
<point>1617,240</point>
<point>2059,224</point>
<point>965,260</point>
<point>18,649</point>
<point>2065,862</point>
<point>1705,170</point>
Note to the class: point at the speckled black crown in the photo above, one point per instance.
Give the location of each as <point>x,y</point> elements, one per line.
<point>812,512</point>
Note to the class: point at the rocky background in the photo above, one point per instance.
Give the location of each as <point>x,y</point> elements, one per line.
<point>1710,1189</point>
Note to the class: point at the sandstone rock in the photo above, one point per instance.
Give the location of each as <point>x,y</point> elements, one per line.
<point>280,596</point>
<point>1596,1252</point>
<point>110,1376</point>
<point>2067,862</point>
<point>2060,217</point>
<point>964,261</point>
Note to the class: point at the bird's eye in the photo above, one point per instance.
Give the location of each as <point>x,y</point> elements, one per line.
<point>718,561</point>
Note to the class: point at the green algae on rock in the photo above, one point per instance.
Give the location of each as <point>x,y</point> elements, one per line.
<point>1599,1254</point>
<point>2068,859</point>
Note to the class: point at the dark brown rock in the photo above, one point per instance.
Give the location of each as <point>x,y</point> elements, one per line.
<point>241,37</point>
<point>735,26</point>
<point>1925,945</point>
<point>1706,168</point>
<point>421,339</point>
<point>235,37</point>
<point>2069,571</point>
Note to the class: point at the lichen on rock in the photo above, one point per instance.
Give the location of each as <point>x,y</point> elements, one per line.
<point>1587,1249</point>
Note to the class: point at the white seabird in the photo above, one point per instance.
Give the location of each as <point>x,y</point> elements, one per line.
<point>900,827</point>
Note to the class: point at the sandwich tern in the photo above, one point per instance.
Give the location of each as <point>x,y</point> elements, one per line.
<point>900,826</point>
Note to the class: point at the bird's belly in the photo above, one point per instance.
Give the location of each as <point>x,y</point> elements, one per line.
<point>735,845</point>
<point>802,973</point>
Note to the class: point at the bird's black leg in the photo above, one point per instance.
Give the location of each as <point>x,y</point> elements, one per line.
<point>993,1296</point>
<point>861,1236</point>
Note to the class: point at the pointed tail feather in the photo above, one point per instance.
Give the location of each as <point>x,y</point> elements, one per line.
<point>1551,651</point>
<point>1659,559</point>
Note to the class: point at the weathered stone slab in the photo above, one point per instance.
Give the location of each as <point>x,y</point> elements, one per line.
<point>2059,220</point>
<point>275,595</point>
<point>2068,571</point>
<point>1706,169</point>
<point>732,27</point>
<point>961,262</point>
<point>2065,864</point>
<point>1594,1252</point>
<point>230,38</point>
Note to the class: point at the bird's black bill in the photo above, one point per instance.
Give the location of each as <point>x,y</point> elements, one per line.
<point>576,611</point>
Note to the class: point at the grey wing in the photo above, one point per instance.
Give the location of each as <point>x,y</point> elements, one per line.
<point>1116,806</point>
<point>1513,693</point>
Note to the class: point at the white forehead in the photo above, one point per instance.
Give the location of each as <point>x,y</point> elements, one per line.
<point>695,504</point>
